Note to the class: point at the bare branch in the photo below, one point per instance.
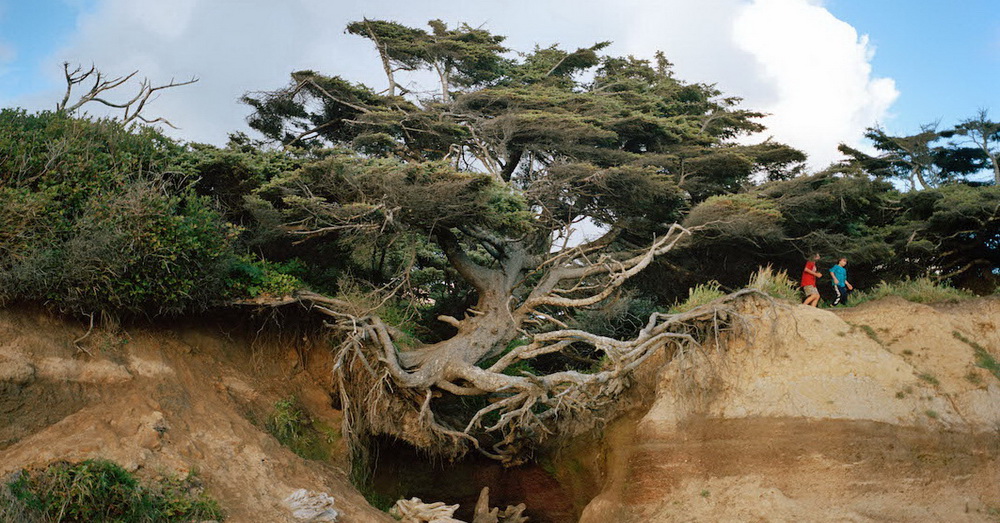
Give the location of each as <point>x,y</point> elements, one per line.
<point>132,107</point>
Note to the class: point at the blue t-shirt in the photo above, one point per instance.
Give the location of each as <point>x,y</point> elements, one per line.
<point>840,273</point>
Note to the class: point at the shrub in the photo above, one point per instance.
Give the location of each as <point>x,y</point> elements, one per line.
<point>98,490</point>
<point>249,277</point>
<point>91,221</point>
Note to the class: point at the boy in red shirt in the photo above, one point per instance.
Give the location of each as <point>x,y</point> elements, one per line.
<point>809,275</point>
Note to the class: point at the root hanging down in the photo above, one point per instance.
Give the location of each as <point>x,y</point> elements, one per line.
<point>447,406</point>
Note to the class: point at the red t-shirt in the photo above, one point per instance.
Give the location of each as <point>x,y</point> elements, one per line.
<point>808,278</point>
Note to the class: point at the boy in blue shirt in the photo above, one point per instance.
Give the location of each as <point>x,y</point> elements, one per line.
<point>838,275</point>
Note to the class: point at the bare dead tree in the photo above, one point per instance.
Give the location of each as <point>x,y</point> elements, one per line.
<point>102,85</point>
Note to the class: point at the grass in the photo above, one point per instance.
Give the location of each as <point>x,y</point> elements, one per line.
<point>699,295</point>
<point>920,290</point>
<point>931,414</point>
<point>868,330</point>
<point>776,284</point>
<point>99,490</point>
<point>303,436</point>
<point>984,359</point>
<point>929,378</point>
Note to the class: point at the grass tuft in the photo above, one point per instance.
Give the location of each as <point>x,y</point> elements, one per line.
<point>774,283</point>
<point>293,428</point>
<point>984,359</point>
<point>699,295</point>
<point>929,378</point>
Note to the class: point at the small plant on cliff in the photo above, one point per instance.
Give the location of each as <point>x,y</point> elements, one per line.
<point>98,490</point>
<point>984,359</point>
<point>699,295</point>
<point>293,428</point>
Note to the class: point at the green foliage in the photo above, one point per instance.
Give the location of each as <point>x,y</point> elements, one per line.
<point>293,428</point>
<point>88,222</point>
<point>251,278</point>
<point>736,219</point>
<point>97,490</point>
<point>622,318</point>
<point>919,290</point>
<point>921,159</point>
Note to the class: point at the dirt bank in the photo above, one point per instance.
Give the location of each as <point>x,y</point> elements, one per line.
<point>166,400</point>
<point>876,413</point>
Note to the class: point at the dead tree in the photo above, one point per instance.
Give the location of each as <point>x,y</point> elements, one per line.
<point>102,86</point>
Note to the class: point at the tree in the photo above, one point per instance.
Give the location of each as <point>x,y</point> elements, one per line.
<point>131,108</point>
<point>984,134</point>
<point>485,183</point>
<point>919,159</point>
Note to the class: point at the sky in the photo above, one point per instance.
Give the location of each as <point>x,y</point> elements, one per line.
<point>824,70</point>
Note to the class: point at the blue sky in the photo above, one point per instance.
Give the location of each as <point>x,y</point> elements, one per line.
<point>944,56</point>
<point>32,30</point>
<point>804,61</point>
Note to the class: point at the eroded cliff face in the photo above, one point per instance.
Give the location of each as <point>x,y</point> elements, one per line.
<point>867,414</point>
<point>874,413</point>
<point>167,400</point>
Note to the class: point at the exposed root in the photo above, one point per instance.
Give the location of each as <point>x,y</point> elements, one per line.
<point>509,415</point>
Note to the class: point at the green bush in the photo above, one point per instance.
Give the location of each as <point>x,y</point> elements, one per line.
<point>101,491</point>
<point>93,218</point>
<point>249,278</point>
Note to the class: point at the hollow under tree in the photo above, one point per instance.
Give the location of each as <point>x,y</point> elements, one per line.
<point>490,174</point>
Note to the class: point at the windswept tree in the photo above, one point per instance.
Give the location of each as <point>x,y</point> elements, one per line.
<point>923,160</point>
<point>481,185</point>
<point>983,134</point>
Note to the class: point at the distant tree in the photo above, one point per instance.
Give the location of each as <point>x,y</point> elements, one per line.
<point>920,159</point>
<point>984,134</point>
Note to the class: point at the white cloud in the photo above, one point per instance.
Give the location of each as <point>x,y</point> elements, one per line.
<point>786,57</point>
<point>821,70</point>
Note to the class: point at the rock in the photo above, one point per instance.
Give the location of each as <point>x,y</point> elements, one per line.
<point>307,505</point>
